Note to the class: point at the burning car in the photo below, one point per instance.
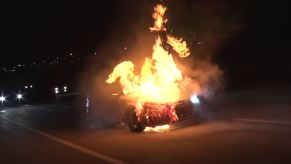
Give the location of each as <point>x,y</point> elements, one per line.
<point>159,117</point>
<point>159,94</point>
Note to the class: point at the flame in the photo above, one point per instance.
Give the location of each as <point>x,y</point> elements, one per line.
<point>158,16</point>
<point>159,76</point>
<point>179,46</point>
<point>162,128</point>
<point>159,79</point>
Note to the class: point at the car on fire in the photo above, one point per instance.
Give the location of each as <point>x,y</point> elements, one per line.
<point>156,114</point>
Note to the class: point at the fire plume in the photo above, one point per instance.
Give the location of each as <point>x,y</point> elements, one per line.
<point>159,80</point>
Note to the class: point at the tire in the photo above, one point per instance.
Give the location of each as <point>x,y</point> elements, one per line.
<point>134,124</point>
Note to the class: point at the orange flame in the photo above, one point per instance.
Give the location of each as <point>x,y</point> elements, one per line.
<point>158,16</point>
<point>160,81</point>
<point>159,78</point>
<point>179,46</point>
<point>162,128</point>
<point>157,81</point>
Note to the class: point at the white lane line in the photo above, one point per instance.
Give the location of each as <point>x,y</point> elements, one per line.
<point>69,144</point>
<point>263,121</point>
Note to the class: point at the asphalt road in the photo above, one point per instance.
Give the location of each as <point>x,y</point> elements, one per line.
<point>239,127</point>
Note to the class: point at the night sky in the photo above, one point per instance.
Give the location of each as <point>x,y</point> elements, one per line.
<point>36,30</point>
<point>255,42</point>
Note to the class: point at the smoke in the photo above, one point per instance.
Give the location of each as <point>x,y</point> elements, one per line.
<point>205,25</point>
<point>204,79</point>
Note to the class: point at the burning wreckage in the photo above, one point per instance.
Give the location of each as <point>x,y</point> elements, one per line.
<point>160,94</point>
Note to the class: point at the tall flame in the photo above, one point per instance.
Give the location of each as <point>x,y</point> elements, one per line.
<point>159,78</point>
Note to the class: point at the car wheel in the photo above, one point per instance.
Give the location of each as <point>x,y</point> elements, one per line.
<point>134,124</point>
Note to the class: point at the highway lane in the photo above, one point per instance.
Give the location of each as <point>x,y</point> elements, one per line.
<point>222,139</point>
<point>19,145</point>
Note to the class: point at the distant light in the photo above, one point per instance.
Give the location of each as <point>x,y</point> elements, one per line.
<point>26,87</point>
<point>65,88</point>
<point>2,99</point>
<point>57,90</point>
<point>3,111</point>
<point>19,96</point>
<point>31,86</point>
<point>87,102</point>
<point>194,99</point>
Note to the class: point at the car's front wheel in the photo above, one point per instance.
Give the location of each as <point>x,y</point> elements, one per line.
<point>134,124</point>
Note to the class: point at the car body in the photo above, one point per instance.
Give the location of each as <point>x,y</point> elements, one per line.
<point>155,114</point>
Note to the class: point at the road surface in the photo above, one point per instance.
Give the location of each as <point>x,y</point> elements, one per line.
<point>240,127</point>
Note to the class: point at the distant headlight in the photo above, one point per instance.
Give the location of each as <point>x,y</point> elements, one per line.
<point>19,96</point>
<point>2,98</point>
<point>194,99</point>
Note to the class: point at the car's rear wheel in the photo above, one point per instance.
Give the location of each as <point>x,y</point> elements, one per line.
<point>134,124</point>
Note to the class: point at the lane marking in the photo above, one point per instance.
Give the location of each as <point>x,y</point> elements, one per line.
<point>69,144</point>
<point>263,121</point>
